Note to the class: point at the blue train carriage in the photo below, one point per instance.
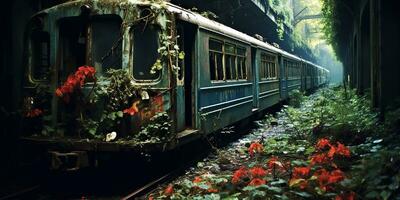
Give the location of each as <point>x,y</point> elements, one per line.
<point>235,75</point>
<point>290,74</point>
<point>224,77</point>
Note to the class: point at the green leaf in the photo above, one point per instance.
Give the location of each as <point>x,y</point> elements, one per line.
<point>274,189</point>
<point>385,194</point>
<point>120,114</point>
<point>249,188</point>
<point>181,55</point>
<point>302,194</point>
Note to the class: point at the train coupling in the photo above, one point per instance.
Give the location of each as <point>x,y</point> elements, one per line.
<point>70,161</point>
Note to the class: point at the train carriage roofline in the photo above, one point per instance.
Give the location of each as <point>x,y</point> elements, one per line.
<point>210,25</point>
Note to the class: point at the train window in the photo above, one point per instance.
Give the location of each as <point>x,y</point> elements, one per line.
<point>40,47</point>
<point>230,62</point>
<point>234,57</point>
<point>106,42</point>
<point>73,44</point>
<point>145,46</point>
<point>268,67</point>
<point>215,59</point>
<point>242,69</point>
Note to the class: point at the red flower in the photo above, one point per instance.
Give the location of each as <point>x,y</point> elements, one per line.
<point>331,152</point>
<point>322,143</point>
<point>151,198</point>
<point>212,190</point>
<point>197,179</point>
<point>34,113</point>
<point>319,158</point>
<point>342,150</point>
<point>325,178</point>
<point>257,172</point>
<point>239,174</point>
<point>169,190</point>
<point>255,147</point>
<point>257,182</point>
<point>336,176</point>
<point>300,172</point>
<point>273,162</point>
<point>133,109</point>
<point>346,196</point>
<point>75,81</point>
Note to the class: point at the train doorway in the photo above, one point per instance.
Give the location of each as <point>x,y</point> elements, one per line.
<point>185,101</point>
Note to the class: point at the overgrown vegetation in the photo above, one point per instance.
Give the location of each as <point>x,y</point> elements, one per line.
<point>333,148</point>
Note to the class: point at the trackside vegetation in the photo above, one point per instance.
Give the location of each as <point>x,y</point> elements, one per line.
<point>332,147</point>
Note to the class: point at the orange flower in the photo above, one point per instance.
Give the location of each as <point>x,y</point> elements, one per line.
<point>197,179</point>
<point>255,147</point>
<point>257,172</point>
<point>300,172</point>
<point>257,182</point>
<point>322,143</point>
<point>239,174</point>
<point>133,109</point>
<point>169,190</point>
<point>342,150</point>
<point>346,196</point>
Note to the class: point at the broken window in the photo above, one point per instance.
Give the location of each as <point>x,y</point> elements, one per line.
<point>73,44</point>
<point>234,57</point>
<point>242,69</point>
<point>40,47</point>
<point>230,62</point>
<point>106,42</point>
<point>216,64</point>
<point>145,54</point>
<point>268,68</point>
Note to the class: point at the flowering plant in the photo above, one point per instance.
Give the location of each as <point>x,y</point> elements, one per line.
<point>75,82</point>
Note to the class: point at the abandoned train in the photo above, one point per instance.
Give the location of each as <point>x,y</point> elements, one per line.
<point>223,77</point>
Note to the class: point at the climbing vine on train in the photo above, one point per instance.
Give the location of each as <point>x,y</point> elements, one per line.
<point>169,52</point>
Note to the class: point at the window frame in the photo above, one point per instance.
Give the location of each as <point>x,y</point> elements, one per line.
<point>132,57</point>
<point>32,65</point>
<point>239,59</point>
<point>268,66</point>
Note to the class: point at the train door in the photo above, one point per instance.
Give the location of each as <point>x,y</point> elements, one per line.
<point>255,66</point>
<point>283,77</point>
<point>184,87</point>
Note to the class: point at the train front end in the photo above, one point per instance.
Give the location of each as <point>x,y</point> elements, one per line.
<point>100,70</point>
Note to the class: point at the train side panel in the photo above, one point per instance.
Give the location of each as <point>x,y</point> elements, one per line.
<point>225,81</point>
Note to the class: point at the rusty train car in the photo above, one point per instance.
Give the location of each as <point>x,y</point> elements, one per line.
<point>224,77</point>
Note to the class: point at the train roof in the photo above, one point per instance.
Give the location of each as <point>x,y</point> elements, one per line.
<point>207,24</point>
<point>199,20</point>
